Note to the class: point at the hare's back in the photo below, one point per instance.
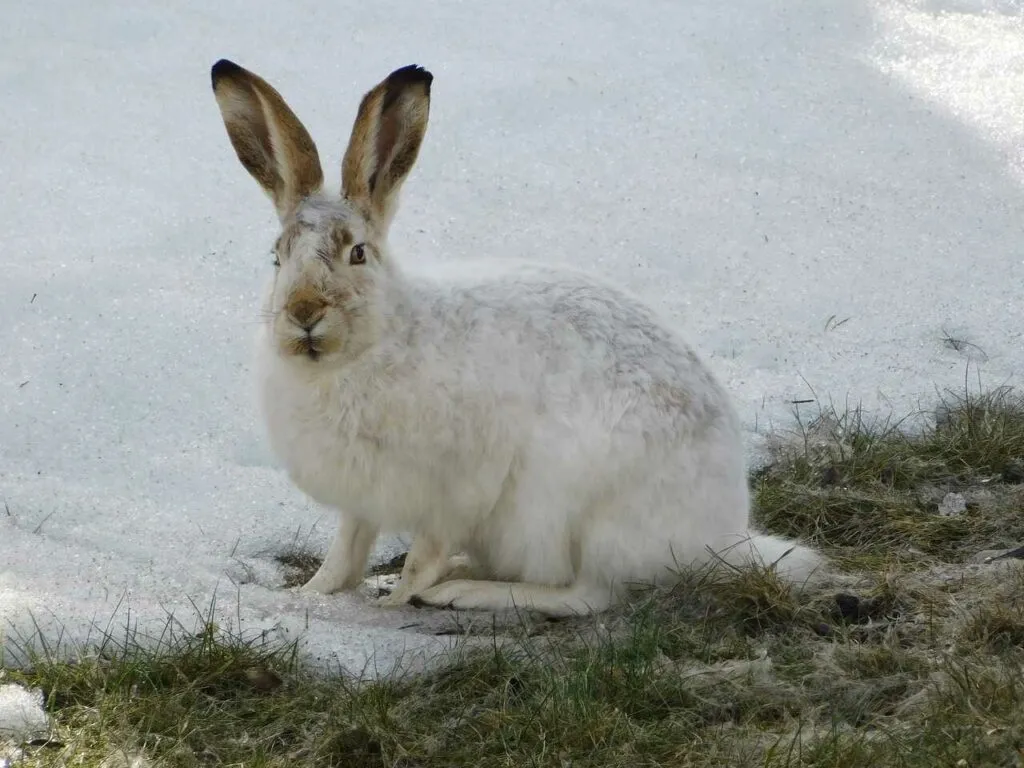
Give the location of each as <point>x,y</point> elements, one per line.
<point>557,327</point>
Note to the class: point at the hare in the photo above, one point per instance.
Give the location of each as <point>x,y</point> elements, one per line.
<point>545,424</point>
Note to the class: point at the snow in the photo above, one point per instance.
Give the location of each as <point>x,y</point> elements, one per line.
<point>21,714</point>
<point>762,171</point>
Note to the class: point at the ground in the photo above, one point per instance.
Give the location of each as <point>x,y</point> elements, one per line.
<point>908,655</point>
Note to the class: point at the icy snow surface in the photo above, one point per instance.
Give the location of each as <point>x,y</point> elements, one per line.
<point>21,714</point>
<point>822,193</point>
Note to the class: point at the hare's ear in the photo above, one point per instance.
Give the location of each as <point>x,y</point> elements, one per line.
<point>267,136</point>
<point>385,141</point>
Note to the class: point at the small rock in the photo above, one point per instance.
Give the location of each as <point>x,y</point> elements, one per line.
<point>953,505</point>
<point>853,608</point>
<point>830,477</point>
<point>262,679</point>
<point>977,497</point>
<point>823,629</point>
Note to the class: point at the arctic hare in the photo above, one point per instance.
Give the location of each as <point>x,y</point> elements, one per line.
<point>550,426</point>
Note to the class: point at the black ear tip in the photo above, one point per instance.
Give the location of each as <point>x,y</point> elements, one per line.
<point>223,68</point>
<point>411,75</point>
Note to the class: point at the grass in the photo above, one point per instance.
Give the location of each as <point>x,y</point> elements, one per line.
<point>869,492</point>
<point>912,658</point>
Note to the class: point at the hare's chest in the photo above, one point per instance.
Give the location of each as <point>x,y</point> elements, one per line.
<point>341,453</point>
<point>392,453</point>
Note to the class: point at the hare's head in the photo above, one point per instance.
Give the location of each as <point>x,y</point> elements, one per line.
<point>330,260</point>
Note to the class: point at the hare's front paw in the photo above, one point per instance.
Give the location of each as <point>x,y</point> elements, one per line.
<point>389,588</point>
<point>395,599</point>
<point>319,585</point>
<point>414,578</point>
<point>330,579</point>
<point>345,561</point>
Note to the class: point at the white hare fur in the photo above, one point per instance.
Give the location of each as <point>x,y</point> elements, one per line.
<point>550,426</point>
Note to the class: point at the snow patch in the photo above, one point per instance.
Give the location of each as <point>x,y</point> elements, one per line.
<point>22,717</point>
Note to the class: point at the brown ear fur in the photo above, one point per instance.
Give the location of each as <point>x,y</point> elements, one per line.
<point>385,141</point>
<point>268,138</point>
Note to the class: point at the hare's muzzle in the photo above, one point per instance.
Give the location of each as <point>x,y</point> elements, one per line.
<point>306,313</point>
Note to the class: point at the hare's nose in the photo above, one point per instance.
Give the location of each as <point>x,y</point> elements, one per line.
<point>306,313</point>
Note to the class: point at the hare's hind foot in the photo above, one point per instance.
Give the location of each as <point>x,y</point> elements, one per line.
<point>557,602</point>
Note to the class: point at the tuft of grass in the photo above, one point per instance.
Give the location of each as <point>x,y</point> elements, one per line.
<point>993,622</point>
<point>298,559</point>
<point>999,629</point>
<point>870,492</point>
<point>299,565</point>
<point>389,567</point>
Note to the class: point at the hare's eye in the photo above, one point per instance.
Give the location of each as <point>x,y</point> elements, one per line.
<point>357,255</point>
<point>276,262</point>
